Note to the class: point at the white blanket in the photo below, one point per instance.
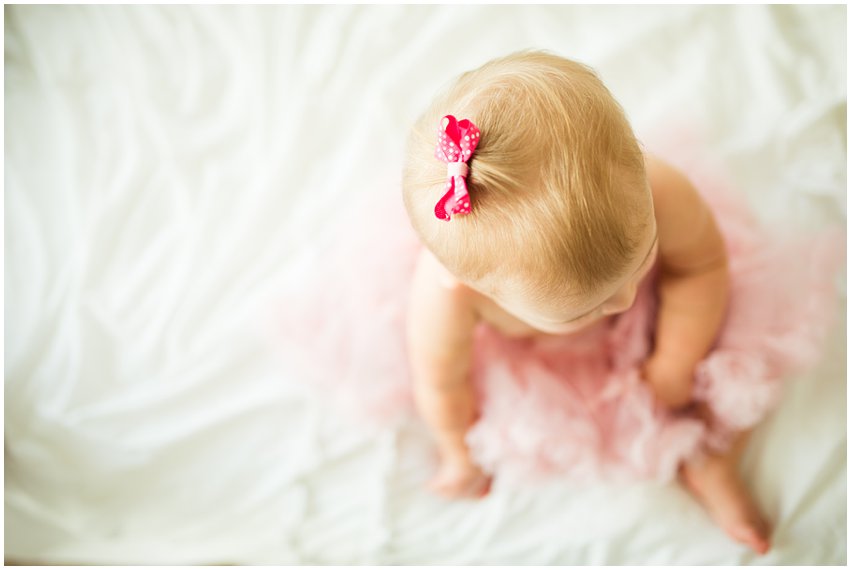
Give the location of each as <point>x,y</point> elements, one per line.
<point>168,167</point>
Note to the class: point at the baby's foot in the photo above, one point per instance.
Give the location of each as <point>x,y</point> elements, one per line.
<point>717,485</point>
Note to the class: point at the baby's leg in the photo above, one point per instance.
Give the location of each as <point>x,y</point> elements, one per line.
<point>716,483</point>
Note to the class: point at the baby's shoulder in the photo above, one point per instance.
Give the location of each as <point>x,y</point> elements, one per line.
<point>686,226</point>
<point>434,283</point>
<point>666,181</point>
<point>674,196</point>
<point>441,276</point>
<point>440,306</point>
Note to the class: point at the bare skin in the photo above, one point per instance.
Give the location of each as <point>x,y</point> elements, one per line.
<point>715,482</point>
<point>684,241</point>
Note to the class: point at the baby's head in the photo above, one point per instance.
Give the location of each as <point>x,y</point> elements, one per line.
<point>562,219</point>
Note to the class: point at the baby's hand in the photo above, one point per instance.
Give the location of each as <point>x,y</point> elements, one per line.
<point>671,382</point>
<point>459,477</point>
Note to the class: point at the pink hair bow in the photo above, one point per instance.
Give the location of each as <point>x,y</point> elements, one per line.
<point>455,145</point>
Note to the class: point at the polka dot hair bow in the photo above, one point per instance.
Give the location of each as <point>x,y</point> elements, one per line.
<point>455,145</point>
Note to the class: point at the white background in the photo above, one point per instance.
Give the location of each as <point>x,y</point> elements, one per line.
<point>166,167</point>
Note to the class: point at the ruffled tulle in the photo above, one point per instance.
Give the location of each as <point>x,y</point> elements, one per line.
<point>575,407</point>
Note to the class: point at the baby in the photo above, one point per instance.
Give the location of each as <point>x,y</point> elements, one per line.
<point>564,219</point>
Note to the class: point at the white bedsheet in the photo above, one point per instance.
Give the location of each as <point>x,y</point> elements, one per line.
<point>167,167</point>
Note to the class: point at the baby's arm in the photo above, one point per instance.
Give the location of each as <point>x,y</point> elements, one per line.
<point>693,284</point>
<point>441,320</point>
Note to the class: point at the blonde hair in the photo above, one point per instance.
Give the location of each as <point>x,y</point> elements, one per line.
<point>557,183</point>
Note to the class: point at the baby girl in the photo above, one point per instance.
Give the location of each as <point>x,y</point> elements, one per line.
<point>546,223</point>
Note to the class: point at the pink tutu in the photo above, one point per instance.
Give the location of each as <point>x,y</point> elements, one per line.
<point>575,406</point>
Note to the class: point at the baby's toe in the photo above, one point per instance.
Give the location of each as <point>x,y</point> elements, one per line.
<point>752,536</point>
